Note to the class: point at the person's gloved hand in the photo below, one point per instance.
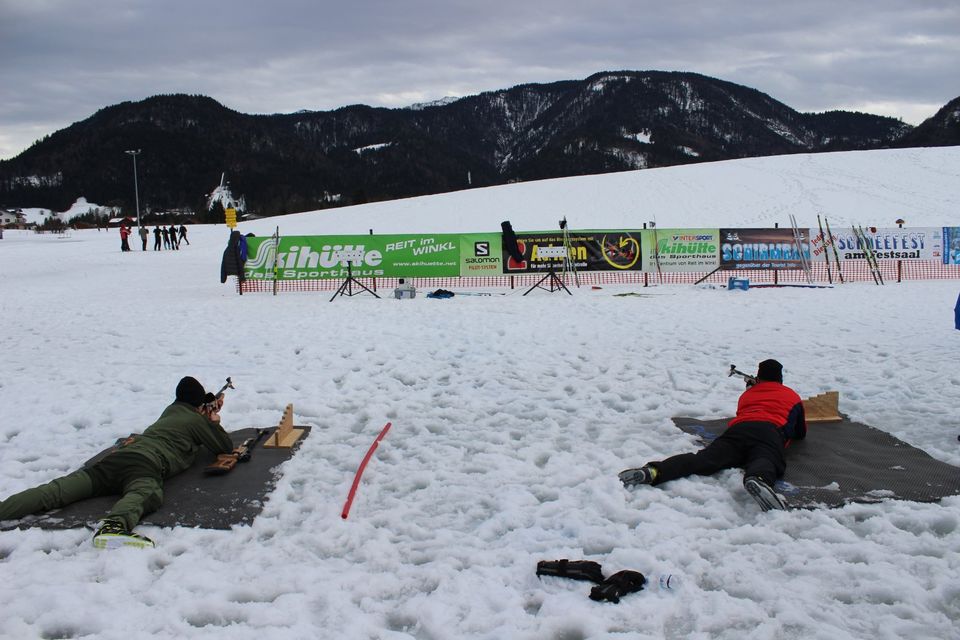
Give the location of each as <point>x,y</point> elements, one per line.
<point>211,407</point>
<point>618,585</point>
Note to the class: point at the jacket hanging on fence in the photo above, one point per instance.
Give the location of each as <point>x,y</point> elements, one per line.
<point>233,257</point>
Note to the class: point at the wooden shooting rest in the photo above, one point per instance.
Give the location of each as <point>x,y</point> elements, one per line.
<point>286,435</point>
<point>824,407</point>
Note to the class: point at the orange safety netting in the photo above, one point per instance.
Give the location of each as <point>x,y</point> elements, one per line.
<point>852,271</point>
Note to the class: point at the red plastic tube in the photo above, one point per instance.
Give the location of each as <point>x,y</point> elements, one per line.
<point>363,465</point>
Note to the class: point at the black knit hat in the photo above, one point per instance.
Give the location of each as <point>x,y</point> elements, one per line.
<point>771,371</point>
<point>190,391</point>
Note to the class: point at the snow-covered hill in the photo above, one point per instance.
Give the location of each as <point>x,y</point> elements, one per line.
<point>39,215</point>
<point>869,187</point>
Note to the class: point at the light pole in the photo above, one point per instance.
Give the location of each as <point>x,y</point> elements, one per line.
<point>136,188</point>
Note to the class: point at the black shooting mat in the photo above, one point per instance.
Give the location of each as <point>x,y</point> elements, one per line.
<point>842,462</point>
<point>191,498</point>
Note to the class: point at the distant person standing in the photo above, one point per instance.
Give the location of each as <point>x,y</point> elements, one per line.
<point>124,235</point>
<point>183,234</point>
<point>173,238</point>
<point>166,237</point>
<point>144,234</point>
<point>156,238</point>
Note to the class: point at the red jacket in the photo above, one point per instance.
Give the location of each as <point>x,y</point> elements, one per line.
<point>774,403</point>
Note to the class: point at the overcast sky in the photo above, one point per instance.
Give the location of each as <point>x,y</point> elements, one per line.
<point>62,60</point>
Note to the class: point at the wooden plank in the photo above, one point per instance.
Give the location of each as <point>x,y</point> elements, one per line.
<point>286,435</point>
<point>824,407</point>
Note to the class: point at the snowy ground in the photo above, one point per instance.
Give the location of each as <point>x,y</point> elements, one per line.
<point>511,418</point>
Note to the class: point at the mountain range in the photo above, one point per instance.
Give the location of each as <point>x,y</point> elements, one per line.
<point>283,163</point>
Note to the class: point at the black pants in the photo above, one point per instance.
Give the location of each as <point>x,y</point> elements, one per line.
<point>756,447</point>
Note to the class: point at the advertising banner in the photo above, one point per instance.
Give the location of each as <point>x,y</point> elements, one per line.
<point>681,250</point>
<point>762,248</point>
<point>619,250</point>
<point>819,246</point>
<point>675,250</point>
<point>921,243</point>
<point>951,245</point>
<point>481,255</point>
<point>589,250</point>
<point>314,257</point>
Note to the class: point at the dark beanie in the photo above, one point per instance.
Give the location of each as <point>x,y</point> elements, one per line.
<point>190,391</point>
<point>771,371</point>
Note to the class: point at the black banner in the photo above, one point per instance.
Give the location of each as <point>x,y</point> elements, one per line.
<point>762,249</point>
<point>589,251</point>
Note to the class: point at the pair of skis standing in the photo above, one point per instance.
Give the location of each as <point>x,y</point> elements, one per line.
<point>861,236</point>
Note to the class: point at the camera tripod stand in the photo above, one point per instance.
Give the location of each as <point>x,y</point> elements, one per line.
<point>554,282</point>
<point>347,288</point>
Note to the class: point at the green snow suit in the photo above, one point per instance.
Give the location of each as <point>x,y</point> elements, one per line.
<point>135,469</point>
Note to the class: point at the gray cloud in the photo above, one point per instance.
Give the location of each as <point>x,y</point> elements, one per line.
<point>61,60</point>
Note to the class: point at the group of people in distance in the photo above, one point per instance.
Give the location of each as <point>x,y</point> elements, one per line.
<point>170,237</point>
<point>165,237</point>
<point>769,416</point>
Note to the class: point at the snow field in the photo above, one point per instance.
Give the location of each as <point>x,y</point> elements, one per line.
<point>511,418</point>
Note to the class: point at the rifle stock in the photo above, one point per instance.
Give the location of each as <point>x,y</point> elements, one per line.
<point>225,462</point>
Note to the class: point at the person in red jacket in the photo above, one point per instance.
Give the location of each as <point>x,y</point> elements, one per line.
<point>769,416</point>
<point>124,234</point>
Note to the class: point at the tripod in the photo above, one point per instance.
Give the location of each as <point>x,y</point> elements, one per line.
<point>554,282</point>
<point>347,288</point>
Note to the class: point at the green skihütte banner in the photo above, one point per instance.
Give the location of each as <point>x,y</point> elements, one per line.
<point>387,256</point>
<point>681,250</point>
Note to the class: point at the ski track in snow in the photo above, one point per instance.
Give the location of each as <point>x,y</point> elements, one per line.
<point>511,418</point>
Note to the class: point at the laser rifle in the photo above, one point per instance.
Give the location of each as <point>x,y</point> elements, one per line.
<point>211,406</point>
<point>227,461</point>
<point>751,380</point>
